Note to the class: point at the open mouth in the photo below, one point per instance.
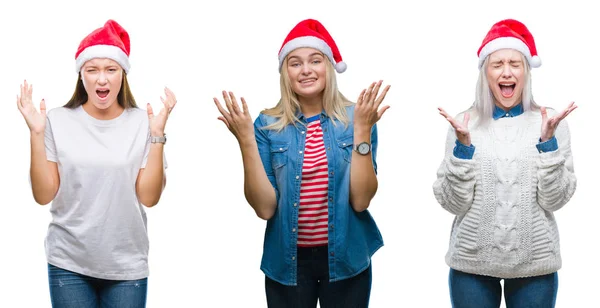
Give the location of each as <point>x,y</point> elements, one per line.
<point>102,93</point>
<point>507,89</point>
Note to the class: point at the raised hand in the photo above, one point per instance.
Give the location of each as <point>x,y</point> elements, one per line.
<point>237,120</point>
<point>549,124</point>
<point>158,122</point>
<point>366,110</point>
<point>461,129</point>
<point>36,121</point>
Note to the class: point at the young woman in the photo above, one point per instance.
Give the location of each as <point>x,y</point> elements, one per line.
<point>310,171</point>
<point>98,158</point>
<point>504,174</point>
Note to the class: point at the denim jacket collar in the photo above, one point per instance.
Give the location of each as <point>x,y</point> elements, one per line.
<point>513,112</point>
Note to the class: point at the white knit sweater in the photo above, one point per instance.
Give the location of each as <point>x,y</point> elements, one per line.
<point>504,198</point>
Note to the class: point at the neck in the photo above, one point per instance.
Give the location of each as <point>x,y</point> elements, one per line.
<point>103,114</point>
<point>311,106</point>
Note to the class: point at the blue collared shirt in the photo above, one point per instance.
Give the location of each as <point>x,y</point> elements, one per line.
<point>466,152</point>
<point>353,237</point>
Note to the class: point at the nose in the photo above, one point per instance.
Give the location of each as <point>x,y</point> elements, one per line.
<point>506,72</point>
<point>102,78</point>
<point>306,69</point>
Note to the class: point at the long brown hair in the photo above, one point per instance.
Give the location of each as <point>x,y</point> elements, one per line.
<point>80,96</point>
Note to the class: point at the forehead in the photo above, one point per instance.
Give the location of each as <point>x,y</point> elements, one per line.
<point>101,62</point>
<point>304,52</point>
<point>506,54</point>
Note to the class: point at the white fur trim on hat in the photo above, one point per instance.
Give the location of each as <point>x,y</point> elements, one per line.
<point>103,51</point>
<point>508,43</point>
<point>305,41</point>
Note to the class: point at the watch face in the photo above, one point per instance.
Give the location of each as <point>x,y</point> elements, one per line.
<point>363,148</point>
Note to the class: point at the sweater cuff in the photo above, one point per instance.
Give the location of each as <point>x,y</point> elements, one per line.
<point>462,151</point>
<point>548,146</point>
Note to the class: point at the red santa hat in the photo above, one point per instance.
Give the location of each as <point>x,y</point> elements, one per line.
<point>509,33</point>
<point>110,41</point>
<point>311,33</point>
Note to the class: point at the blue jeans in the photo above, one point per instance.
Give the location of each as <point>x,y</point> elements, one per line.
<point>476,291</point>
<point>313,284</point>
<point>72,290</point>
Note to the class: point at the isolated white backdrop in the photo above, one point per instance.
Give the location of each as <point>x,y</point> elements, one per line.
<point>205,240</point>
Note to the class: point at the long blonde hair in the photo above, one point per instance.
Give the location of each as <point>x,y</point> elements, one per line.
<point>483,107</point>
<point>334,102</point>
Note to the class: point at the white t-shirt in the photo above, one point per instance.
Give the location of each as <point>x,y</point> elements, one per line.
<point>98,224</point>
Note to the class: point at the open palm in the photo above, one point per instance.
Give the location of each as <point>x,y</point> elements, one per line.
<point>36,121</point>
<point>462,129</point>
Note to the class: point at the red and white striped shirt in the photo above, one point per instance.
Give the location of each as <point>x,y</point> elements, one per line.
<point>313,213</point>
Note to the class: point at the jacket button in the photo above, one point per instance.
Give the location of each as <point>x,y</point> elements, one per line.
<point>293,258</point>
<point>294,230</point>
<point>331,253</point>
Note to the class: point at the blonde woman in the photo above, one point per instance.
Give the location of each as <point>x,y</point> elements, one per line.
<point>310,171</point>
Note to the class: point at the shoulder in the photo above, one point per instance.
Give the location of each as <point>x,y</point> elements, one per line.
<point>264,120</point>
<point>350,110</point>
<point>60,112</point>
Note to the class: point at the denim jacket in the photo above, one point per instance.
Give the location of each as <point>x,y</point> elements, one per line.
<point>353,237</point>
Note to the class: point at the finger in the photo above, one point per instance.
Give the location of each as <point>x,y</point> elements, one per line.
<point>227,102</point>
<point>234,104</point>
<point>381,111</point>
<point>361,97</point>
<point>224,121</point>
<point>245,107</point>
<point>19,103</point>
<point>43,108</point>
<point>443,112</point>
<point>369,93</point>
<point>21,95</point>
<point>30,91</point>
<point>466,120</point>
<point>544,114</point>
<point>222,110</point>
<point>150,111</point>
<point>382,96</point>
<point>171,98</point>
<point>376,90</point>
<point>450,119</point>
<point>569,111</point>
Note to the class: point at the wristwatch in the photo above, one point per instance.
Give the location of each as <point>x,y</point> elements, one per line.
<point>363,148</point>
<point>162,139</point>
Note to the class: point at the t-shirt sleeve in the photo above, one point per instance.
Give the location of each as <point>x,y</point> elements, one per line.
<point>49,142</point>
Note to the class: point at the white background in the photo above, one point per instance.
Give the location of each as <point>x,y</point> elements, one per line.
<point>206,241</point>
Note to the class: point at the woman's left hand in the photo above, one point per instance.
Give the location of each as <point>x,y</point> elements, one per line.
<point>366,110</point>
<point>549,124</point>
<point>158,122</point>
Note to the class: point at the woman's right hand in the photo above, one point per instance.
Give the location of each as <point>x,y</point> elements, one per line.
<point>237,120</point>
<point>35,120</point>
<point>461,129</point>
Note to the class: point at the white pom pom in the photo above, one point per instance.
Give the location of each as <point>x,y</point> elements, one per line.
<point>535,61</point>
<point>340,67</point>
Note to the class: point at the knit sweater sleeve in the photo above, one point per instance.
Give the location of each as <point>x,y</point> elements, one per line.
<point>556,178</point>
<point>454,188</point>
